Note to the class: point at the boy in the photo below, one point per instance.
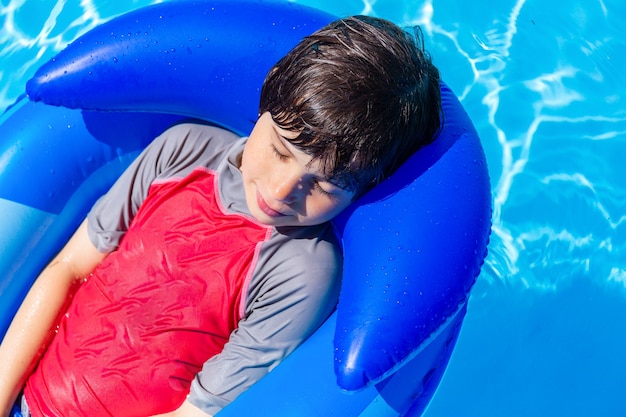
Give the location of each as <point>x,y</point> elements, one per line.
<point>212,258</point>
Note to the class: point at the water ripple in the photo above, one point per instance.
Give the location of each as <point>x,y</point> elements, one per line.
<point>540,98</point>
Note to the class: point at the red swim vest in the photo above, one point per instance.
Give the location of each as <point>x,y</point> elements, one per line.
<point>140,328</point>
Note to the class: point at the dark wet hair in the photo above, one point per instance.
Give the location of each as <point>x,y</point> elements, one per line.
<point>362,93</point>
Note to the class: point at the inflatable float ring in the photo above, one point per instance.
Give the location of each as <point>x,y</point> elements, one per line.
<point>413,246</point>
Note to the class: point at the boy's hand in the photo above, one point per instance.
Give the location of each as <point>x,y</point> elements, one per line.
<point>185,410</point>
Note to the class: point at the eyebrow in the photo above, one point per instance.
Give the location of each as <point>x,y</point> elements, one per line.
<point>325,178</point>
<point>282,139</point>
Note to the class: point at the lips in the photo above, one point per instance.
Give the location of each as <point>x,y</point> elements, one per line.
<point>267,209</point>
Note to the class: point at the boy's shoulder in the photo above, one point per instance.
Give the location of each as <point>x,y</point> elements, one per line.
<point>197,133</point>
<point>189,144</point>
<point>304,247</point>
<point>299,267</point>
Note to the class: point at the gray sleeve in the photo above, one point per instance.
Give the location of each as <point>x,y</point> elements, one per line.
<point>174,153</point>
<point>295,289</point>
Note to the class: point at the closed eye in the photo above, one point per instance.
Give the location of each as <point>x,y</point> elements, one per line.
<point>321,190</point>
<point>281,156</point>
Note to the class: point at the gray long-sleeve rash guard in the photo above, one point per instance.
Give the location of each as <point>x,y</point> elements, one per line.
<point>294,285</point>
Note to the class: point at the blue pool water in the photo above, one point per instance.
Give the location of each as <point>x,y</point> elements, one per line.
<point>544,82</point>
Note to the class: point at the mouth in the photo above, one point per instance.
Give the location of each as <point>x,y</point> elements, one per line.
<point>266,208</point>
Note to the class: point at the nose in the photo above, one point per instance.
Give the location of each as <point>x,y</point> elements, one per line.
<point>287,188</point>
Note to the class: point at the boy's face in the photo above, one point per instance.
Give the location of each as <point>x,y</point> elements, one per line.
<point>283,185</point>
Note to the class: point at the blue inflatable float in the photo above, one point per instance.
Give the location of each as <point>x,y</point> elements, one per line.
<point>413,246</point>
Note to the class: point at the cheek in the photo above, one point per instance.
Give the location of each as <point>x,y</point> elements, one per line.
<point>249,162</point>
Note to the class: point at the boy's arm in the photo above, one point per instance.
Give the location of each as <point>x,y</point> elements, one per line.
<point>296,291</point>
<point>33,324</point>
